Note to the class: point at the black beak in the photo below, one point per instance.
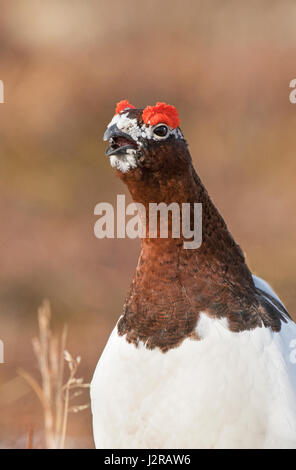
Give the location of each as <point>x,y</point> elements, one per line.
<point>119,141</point>
<point>113,131</point>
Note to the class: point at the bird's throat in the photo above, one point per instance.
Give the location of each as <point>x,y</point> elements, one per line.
<point>173,285</point>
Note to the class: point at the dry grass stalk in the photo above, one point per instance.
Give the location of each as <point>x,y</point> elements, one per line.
<point>54,395</point>
<point>30,437</point>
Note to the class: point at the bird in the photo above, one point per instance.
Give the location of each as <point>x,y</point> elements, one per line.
<point>203,354</point>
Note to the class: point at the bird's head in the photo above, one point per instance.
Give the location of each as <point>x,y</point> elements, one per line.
<point>146,141</point>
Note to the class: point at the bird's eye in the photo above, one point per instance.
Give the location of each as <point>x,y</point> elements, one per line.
<point>161,131</point>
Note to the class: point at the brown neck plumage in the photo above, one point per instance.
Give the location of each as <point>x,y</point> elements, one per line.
<point>173,285</point>
<point>218,246</point>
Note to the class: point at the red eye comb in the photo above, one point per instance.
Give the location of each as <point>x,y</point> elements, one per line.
<point>123,104</point>
<point>161,113</point>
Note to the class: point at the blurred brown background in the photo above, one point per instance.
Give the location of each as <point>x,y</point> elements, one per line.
<point>226,66</point>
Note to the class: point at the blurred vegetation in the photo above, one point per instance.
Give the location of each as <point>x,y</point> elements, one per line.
<point>225,65</point>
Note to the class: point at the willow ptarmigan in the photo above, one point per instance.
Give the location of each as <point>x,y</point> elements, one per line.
<point>202,356</point>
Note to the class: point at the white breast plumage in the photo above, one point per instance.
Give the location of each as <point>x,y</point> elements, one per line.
<point>227,390</point>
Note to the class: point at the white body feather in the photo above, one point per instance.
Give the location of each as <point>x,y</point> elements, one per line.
<point>228,390</point>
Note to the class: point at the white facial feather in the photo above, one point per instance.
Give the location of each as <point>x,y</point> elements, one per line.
<point>125,162</point>
<point>127,125</point>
